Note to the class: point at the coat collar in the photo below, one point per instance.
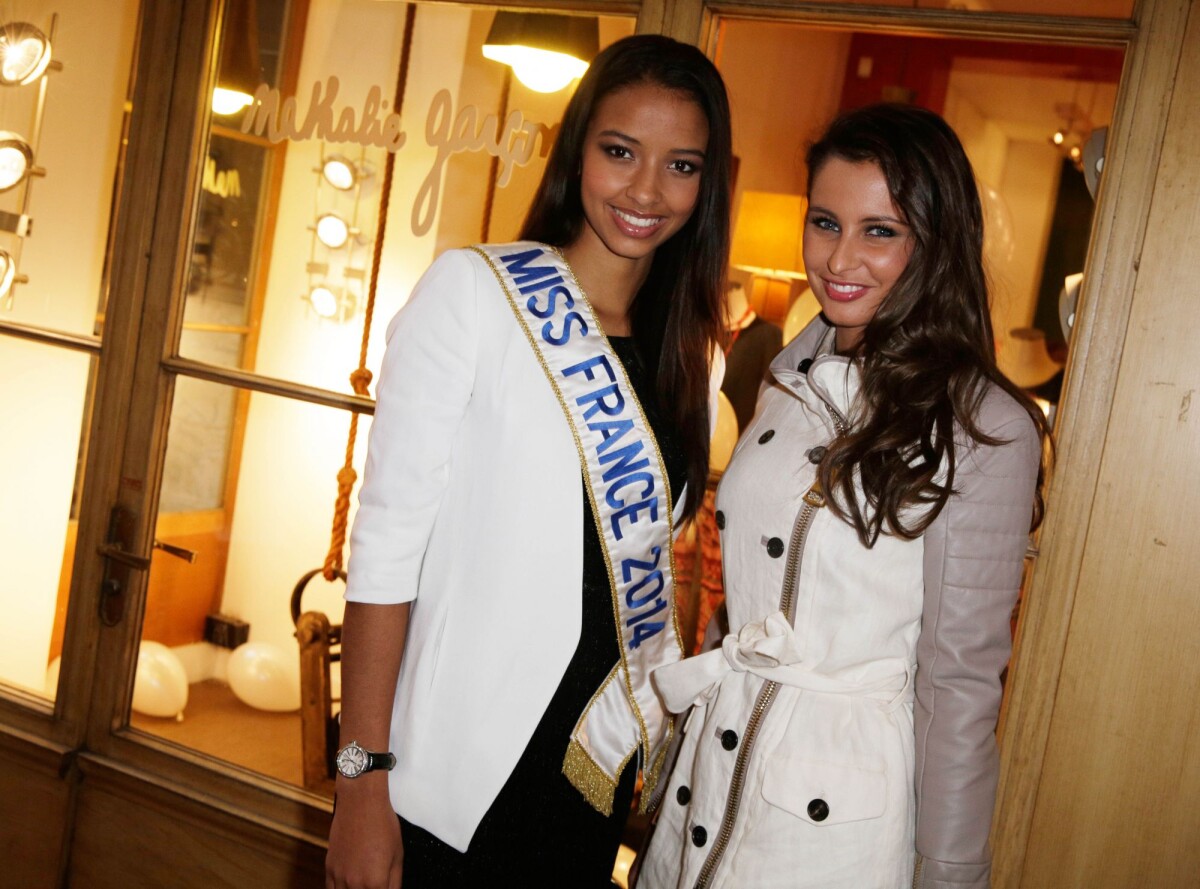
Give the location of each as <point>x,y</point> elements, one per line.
<point>829,379</point>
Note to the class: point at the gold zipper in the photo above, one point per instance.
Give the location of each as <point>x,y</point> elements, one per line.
<point>814,499</point>
<point>918,872</point>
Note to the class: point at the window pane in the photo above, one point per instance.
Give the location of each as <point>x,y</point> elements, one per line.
<point>73,119</point>
<point>282,257</point>
<point>249,490</point>
<point>46,395</point>
<point>250,480</point>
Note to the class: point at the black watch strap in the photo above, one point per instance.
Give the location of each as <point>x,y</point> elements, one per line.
<point>380,761</point>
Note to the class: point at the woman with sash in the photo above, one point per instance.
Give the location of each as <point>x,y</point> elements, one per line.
<point>502,617</point>
<point>874,519</point>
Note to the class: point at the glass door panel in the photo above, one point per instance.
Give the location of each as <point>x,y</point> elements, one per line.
<point>288,225</point>
<point>47,396</point>
<point>63,117</point>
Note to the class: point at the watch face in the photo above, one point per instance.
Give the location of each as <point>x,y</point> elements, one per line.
<point>351,760</point>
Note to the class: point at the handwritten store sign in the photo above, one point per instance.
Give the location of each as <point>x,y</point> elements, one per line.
<point>513,144</point>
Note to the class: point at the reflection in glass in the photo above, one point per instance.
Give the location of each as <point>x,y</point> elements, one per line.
<point>46,396</point>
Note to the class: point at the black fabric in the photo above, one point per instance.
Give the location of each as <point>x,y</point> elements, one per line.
<point>746,366</point>
<point>540,831</point>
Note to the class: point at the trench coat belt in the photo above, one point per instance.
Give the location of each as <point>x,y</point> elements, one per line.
<point>769,649</point>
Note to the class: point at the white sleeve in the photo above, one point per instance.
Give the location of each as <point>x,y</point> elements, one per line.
<point>424,387</point>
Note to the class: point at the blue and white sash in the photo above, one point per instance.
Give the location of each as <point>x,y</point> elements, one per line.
<point>631,503</point>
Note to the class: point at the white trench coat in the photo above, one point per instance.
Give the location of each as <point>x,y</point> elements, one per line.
<point>797,765</point>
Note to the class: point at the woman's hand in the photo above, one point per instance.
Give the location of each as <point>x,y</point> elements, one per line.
<point>365,849</point>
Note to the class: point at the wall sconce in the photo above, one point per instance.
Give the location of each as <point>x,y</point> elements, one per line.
<point>342,173</point>
<point>546,52</point>
<point>239,74</point>
<point>333,231</point>
<point>16,160</point>
<point>768,242</point>
<point>24,54</point>
<point>323,301</point>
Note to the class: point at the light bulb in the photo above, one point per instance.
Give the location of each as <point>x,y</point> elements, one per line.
<point>1058,137</point>
<point>226,101</point>
<point>332,230</point>
<point>339,172</point>
<point>324,301</point>
<point>16,157</point>
<point>541,70</point>
<point>24,53</point>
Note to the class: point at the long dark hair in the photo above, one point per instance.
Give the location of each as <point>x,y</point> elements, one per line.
<point>677,316</point>
<point>928,353</point>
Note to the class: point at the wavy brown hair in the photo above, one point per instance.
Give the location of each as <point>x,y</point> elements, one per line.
<point>677,314</point>
<point>928,355</point>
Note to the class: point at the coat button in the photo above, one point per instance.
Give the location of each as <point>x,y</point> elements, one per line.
<point>817,454</point>
<point>683,795</point>
<point>774,547</point>
<point>699,836</point>
<point>804,365</point>
<point>818,810</point>
<point>720,517</point>
<point>729,739</point>
<point>766,436</point>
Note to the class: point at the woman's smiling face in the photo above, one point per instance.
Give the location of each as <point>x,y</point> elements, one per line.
<point>856,244</point>
<point>642,161</point>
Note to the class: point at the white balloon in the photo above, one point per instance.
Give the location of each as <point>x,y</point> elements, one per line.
<point>264,676</point>
<point>803,310</point>
<point>160,685</point>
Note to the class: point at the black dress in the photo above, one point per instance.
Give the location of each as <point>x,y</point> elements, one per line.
<point>540,831</point>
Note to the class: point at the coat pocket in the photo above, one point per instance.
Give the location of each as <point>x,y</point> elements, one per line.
<point>825,793</point>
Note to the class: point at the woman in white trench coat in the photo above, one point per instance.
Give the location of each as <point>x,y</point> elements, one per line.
<point>873,519</point>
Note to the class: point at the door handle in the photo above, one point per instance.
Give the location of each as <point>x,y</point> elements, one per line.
<point>129,560</point>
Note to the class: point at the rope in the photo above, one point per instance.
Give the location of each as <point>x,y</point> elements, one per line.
<point>360,379</point>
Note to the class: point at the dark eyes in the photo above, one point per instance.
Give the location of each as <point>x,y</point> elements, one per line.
<point>622,152</point>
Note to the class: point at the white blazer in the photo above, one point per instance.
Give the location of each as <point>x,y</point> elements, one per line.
<point>472,508</point>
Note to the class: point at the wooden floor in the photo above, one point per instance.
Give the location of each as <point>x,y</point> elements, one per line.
<point>216,723</point>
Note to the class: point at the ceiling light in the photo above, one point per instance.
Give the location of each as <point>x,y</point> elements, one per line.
<point>24,53</point>
<point>546,52</point>
<point>16,159</point>
<point>332,230</point>
<point>240,72</point>
<point>1059,137</point>
<point>324,301</point>
<point>340,172</point>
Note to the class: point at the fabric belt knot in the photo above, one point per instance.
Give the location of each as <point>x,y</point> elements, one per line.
<point>769,649</point>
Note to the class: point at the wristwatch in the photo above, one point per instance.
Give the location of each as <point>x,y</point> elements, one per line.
<point>353,760</point>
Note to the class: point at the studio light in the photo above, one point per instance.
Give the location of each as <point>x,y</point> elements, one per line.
<point>332,230</point>
<point>16,160</point>
<point>324,301</point>
<point>340,172</point>
<point>24,53</point>
<point>546,52</point>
